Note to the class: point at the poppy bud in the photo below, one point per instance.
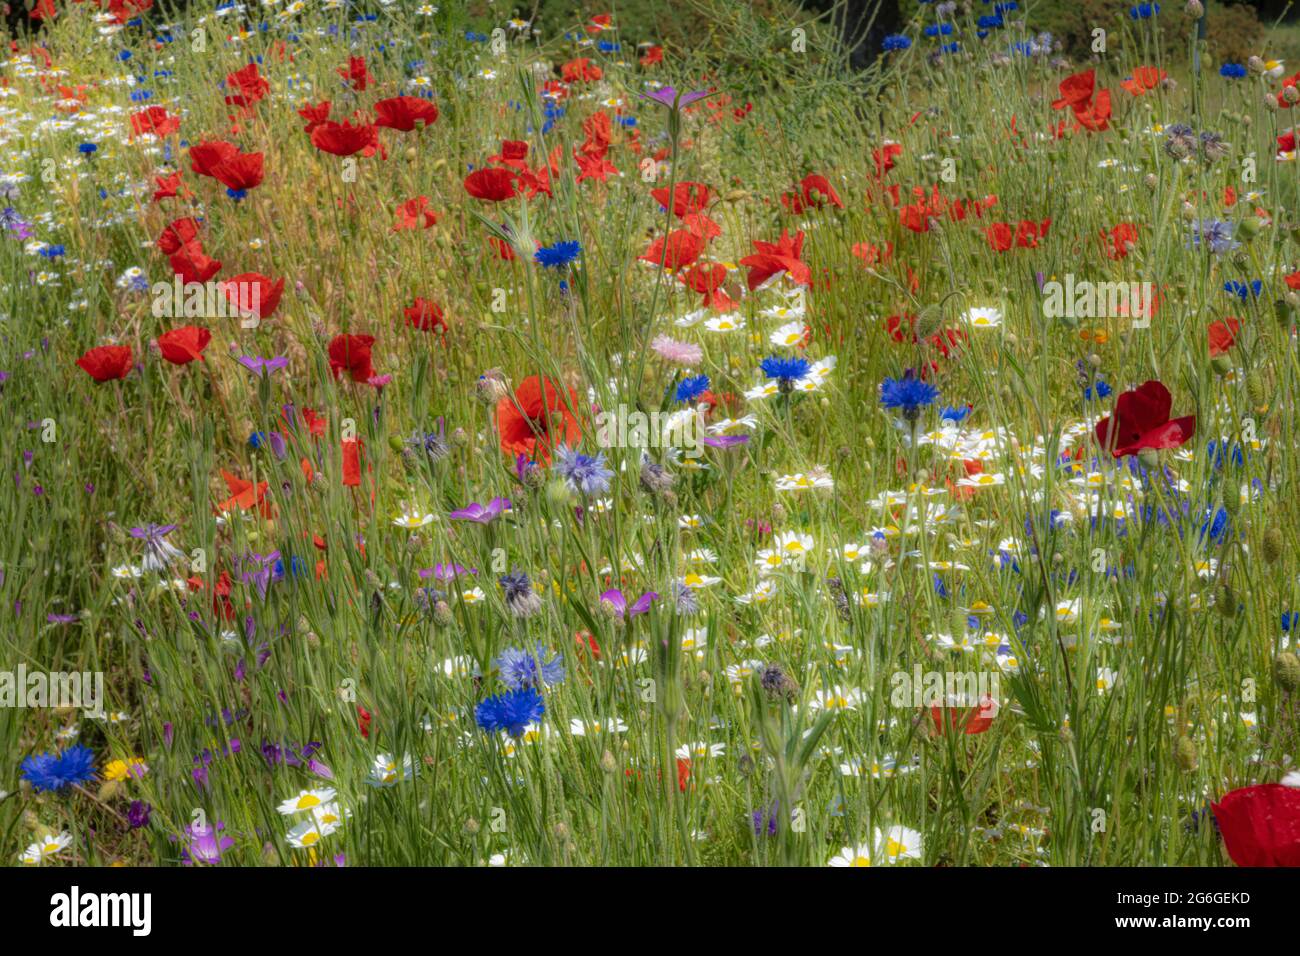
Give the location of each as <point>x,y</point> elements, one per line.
<point>1150,458</point>
<point>471,825</point>
<point>1221,364</point>
<point>1286,671</point>
<point>607,762</point>
<point>557,493</point>
<point>736,195</point>
<point>1282,311</point>
<point>1250,227</point>
<point>1231,502</point>
<point>1255,390</point>
<point>1271,545</point>
<point>1227,601</point>
<point>396,444</point>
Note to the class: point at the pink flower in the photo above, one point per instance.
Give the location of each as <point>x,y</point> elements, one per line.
<point>681,353</point>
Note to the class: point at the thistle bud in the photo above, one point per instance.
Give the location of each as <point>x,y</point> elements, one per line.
<point>1255,65</point>
<point>442,614</point>
<point>1194,9</point>
<point>1291,94</point>
<point>1286,671</point>
<point>491,387</point>
<point>1271,545</point>
<point>607,762</point>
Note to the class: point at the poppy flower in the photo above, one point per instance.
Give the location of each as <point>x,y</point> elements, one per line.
<point>253,293</point>
<point>184,345</point>
<point>687,198</point>
<point>1144,80</point>
<point>249,86</point>
<point>597,132</point>
<point>1076,90</point>
<point>1095,115</point>
<point>537,417</point>
<point>1117,242</point>
<point>653,55</point>
<point>680,248</point>
<point>106,362</point>
<point>351,448</point>
<point>968,720</point>
<point>155,120</point>
<point>1223,335</point>
<point>169,187</point>
<point>581,70</point>
<point>244,495</point>
<point>193,265</point>
<point>206,156</point>
<point>402,113</point>
<point>884,158</point>
<point>356,74</point>
<point>1141,420</point>
<point>492,184</point>
<point>773,258</point>
<point>179,233</point>
<point>425,315</point>
<point>514,153</point>
<point>708,280</point>
<point>240,172</point>
<point>315,114</point>
<point>814,192</point>
<point>351,354</point>
<point>345,139</point>
<point>414,214</point>
<point>1260,825</point>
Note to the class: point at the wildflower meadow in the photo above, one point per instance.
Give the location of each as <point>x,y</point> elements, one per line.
<point>433,439</point>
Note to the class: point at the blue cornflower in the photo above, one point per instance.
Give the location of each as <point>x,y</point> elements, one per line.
<point>896,41</point>
<point>1233,71</point>
<point>990,23</point>
<point>1143,11</point>
<point>689,389</point>
<point>908,394</point>
<point>1241,289</point>
<point>1216,234</point>
<point>1216,525</point>
<point>558,255</point>
<point>52,252</point>
<point>511,711</point>
<point>520,669</point>
<point>583,473</point>
<point>1289,618</point>
<point>1100,390</point>
<point>54,771</point>
<point>938,29</point>
<point>786,371</point>
<point>954,415</point>
<point>86,149</point>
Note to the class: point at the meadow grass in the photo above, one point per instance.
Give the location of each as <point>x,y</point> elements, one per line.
<point>1128,612</point>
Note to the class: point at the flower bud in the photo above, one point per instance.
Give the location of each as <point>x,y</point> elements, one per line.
<point>1271,545</point>
<point>1185,754</point>
<point>1194,9</point>
<point>1286,671</point>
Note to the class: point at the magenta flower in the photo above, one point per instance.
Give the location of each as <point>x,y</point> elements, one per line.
<point>615,599</point>
<point>477,512</point>
<point>445,572</point>
<point>669,97</point>
<point>263,366</point>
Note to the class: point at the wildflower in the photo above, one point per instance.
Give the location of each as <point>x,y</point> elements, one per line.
<point>511,712</point>
<point>585,474</point>
<point>895,41</point>
<point>616,603</point>
<point>158,552</point>
<point>519,669</point>
<point>107,362</point>
<point>537,415</point>
<point>908,394</point>
<point>559,255</point>
<point>55,771</point>
<point>786,371</point>
<point>521,599</point>
<point>689,389</point>
<point>1261,825</point>
<point>679,353</point>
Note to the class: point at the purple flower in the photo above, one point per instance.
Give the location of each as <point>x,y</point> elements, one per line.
<point>263,366</point>
<point>669,97</point>
<point>480,514</point>
<point>138,815</point>
<point>204,845</point>
<point>724,441</point>
<point>614,598</point>
<point>445,572</point>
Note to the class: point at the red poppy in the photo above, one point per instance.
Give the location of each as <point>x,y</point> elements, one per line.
<point>688,198</point>
<point>184,345</point>
<point>356,74</point>
<point>404,112</point>
<point>178,234</point>
<point>244,495</point>
<point>425,315</point>
<point>969,720</point>
<point>1261,825</point>
<point>168,187</point>
<point>1223,335</point>
<point>1095,116</point>
<point>351,354</point>
<point>193,265</point>
<point>772,258</point>
<point>351,448</point>
<point>679,249</point>
<point>1118,242</point>
<point>1144,80</point>
<point>493,184</point>
<point>593,167</point>
<point>363,721</point>
<point>598,132</point>
<point>154,119</point>
<point>707,280</point>
<point>537,417</point>
<point>1076,90</point>
<point>315,115</point>
<point>240,172</point>
<point>884,158</point>
<point>204,157</point>
<point>1141,420</point>
<point>581,70</point>
<point>249,84</point>
<point>253,293</point>
<point>414,214</point>
<point>345,139</point>
<point>514,153</point>
<point>814,192</point>
<point>106,362</point>
<point>652,55</point>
